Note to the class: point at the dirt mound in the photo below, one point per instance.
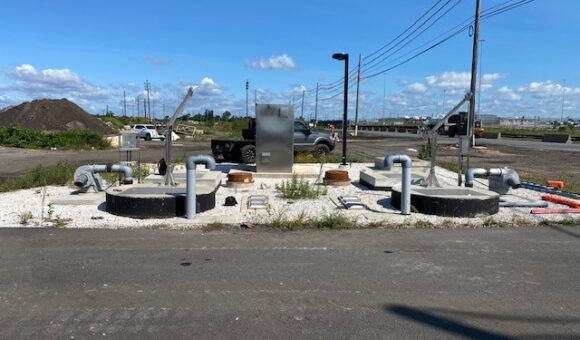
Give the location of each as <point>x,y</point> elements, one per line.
<point>52,115</point>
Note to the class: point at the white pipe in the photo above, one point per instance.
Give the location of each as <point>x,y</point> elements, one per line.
<point>406,162</point>
<point>190,163</point>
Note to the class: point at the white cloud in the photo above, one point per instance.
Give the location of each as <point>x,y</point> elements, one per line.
<point>281,62</point>
<point>508,93</point>
<point>460,80</point>
<point>416,88</point>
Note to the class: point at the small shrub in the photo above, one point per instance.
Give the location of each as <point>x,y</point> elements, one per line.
<point>291,224</point>
<point>424,151</point>
<point>19,137</point>
<point>25,217</point>
<point>299,188</point>
<point>448,223</point>
<point>332,221</point>
<point>60,222</point>
<point>423,224</point>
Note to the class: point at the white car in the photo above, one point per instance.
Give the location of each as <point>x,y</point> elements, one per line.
<point>147,132</point>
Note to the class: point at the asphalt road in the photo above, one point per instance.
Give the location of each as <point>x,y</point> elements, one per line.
<point>365,284</point>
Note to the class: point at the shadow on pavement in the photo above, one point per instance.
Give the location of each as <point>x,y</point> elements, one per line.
<point>563,230</point>
<point>434,317</point>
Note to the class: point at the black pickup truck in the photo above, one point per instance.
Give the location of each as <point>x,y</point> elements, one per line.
<point>244,150</point>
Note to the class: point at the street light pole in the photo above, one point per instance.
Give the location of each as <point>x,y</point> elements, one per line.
<point>247,88</point>
<point>344,56</point>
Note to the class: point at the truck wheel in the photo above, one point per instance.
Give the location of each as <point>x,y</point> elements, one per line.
<point>248,154</point>
<point>148,137</point>
<point>321,150</point>
<point>452,131</point>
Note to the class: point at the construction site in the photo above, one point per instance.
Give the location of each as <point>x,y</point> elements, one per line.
<point>240,170</point>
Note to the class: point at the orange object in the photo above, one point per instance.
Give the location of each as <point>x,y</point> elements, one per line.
<point>555,184</point>
<point>544,211</point>
<point>561,200</point>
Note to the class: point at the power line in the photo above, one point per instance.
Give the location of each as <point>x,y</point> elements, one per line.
<point>405,31</point>
<point>411,40</point>
<point>367,63</point>
<point>465,27</point>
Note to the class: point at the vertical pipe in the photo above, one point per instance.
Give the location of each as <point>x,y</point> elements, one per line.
<point>191,199</point>
<point>345,115</point>
<point>191,204</point>
<point>406,164</point>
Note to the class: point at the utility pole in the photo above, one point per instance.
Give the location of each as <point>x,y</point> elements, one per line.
<point>247,88</point>
<point>302,106</point>
<point>480,78</point>
<point>107,110</point>
<point>563,97</point>
<point>148,109</point>
<point>138,104</point>
<point>124,105</point>
<point>471,115</point>
<point>357,99</point>
<point>316,107</point>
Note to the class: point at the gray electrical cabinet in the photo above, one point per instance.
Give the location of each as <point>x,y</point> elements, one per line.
<point>274,138</point>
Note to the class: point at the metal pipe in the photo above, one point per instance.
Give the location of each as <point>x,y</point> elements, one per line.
<point>190,163</point>
<point>82,178</point>
<point>509,176</point>
<point>406,163</point>
<point>532,204</point>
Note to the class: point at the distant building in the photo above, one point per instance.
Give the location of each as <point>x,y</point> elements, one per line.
<point>488,120</point>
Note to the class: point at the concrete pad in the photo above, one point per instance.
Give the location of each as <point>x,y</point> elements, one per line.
<point>210,178</point>
<point>89,198</point>
<point>386,180</point>
<point>380,164</point>
<point>299,170</point>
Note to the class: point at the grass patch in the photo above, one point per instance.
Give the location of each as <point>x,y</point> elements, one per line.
<point>25,217</point>
<point>299,188</point>
<point>536,132</point>
<point>568,221</point>
<point>492,222</point>
<point>18,137</point>
<point>307,157</point>
<point>332,221</point>
<point>329,221</point>
<point>60,174</point>
<point>423,224</point>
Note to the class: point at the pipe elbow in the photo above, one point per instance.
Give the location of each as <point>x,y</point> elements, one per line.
<point>391,159</point>
<point>207,160</point>
<point>471,173</point>
<point>512,179</point>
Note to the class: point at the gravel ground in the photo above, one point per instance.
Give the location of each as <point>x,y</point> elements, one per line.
<point>14,204</point>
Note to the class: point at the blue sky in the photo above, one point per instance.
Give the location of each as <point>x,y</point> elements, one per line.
<point>92,51</point>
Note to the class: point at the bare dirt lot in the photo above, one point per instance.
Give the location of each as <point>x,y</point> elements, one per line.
<point>533,160</point>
